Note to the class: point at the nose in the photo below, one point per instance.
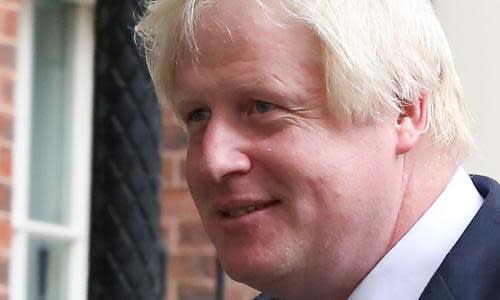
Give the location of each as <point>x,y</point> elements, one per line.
<point>224,146</point>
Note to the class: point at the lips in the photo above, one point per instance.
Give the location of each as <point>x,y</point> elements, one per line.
<point>235,210</point>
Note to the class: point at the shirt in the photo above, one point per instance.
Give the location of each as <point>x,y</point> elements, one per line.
<point>405,270</point>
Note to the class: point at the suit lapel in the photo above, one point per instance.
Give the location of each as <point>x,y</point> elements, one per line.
<point>437,289</point>
<point>471,270</point>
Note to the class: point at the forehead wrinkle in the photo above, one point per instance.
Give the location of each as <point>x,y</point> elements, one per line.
<point>257,81</point>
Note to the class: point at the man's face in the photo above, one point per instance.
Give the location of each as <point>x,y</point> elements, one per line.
<point>284,189</point>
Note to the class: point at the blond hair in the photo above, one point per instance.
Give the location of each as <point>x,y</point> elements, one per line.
<point>377,55</point>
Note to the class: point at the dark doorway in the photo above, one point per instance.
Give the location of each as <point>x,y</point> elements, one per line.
<point>127,259</point>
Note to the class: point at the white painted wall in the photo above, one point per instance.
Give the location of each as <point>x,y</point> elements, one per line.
<point>473,31</point>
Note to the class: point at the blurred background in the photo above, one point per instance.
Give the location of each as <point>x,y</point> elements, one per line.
<point>93,201</point>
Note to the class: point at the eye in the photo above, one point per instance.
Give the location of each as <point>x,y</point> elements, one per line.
<point>261,107</point>
<point>198,115</point>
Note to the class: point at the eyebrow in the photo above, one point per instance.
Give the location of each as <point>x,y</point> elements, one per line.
<point>265,83</point>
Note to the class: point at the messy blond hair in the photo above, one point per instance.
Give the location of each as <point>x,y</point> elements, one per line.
<point>377,55</point>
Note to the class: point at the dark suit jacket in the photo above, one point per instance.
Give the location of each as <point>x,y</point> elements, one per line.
<point>471,270</point>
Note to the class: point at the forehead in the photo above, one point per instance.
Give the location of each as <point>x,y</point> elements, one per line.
<point>242,44</point>
<point>247,29</point>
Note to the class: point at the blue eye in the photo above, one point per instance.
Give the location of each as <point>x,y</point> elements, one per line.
<point>263,107</point>
<point>198,115</point>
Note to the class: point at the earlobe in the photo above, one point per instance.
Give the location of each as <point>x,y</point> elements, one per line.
<point>411,123</point>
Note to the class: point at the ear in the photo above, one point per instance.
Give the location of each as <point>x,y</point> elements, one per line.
<point>411,123</point>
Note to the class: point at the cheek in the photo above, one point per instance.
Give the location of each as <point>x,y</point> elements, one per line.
<point>332,177</point>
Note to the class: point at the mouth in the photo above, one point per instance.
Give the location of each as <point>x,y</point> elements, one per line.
<point>241,211</point>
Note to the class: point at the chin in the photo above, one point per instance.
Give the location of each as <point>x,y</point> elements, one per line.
<point>253,268</point>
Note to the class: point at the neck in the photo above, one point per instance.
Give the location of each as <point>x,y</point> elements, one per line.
<point>426,173</point>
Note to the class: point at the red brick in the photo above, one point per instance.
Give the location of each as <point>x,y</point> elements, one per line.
<point>9,4</point>
<point>6,88</point>
<point>4,197</point>
<point>7,56</point>
<point>178,204</point>
<point>9,26</point>
<point>192,234</point>
<point>166,171</point>
<point>5,162</point>
<point>194,292</point>
<point>235,294</point>
<point>5,232</point>
<point>4,270</point>
<point>166,230</point>
<point>5,127</point>
<point>173,138</point>
<point>192,266</point>
<point>180,194</point>
<point>182,170</point>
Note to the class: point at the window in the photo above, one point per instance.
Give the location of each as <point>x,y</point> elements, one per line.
<point>52,146</point>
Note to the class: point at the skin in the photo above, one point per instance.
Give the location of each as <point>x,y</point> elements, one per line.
<point>334,196</point>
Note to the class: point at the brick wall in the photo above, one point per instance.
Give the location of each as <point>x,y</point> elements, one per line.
<point>8,32</point>
<point>191,273</point>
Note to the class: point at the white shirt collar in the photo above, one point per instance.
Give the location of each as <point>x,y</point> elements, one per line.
<point>406,269</point>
